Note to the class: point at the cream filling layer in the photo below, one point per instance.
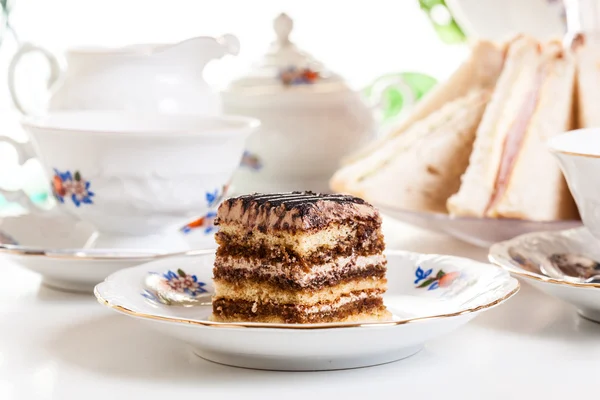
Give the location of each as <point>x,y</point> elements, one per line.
<point>332,306</point>
<point>301,242</point>
<point>346,264</point>
<point>264,293</point>
<point>329,306</point>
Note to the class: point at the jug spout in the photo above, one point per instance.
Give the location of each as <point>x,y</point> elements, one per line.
<point>200,50</point>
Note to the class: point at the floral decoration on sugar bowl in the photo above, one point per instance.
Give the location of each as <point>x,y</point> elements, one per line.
<point>67,185</point>
<point>427,279</point>
<point>293,75</point>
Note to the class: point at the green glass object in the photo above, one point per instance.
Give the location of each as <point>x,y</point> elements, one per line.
<point>447,28</point>
<point>391,99</point>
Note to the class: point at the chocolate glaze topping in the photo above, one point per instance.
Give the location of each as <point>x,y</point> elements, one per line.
<point>294,210</point>
<point>301,201</point>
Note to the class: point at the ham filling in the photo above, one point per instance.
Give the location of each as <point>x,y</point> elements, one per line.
<point>514,139</point>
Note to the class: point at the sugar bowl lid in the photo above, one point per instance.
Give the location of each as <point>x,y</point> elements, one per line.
<point>286,68</point>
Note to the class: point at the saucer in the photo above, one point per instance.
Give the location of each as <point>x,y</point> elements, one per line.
<point>543,258</point>
<point>428,295</point>
<point>482,232</point>
<point>53,246</point>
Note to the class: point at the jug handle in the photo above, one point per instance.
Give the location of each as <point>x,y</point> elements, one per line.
<point>25,152</point>
<point>25,48</point>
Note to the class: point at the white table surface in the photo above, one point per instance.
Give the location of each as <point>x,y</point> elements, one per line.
<point>56,345</point>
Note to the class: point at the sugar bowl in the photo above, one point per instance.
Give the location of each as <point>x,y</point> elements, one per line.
<point>310,119</point>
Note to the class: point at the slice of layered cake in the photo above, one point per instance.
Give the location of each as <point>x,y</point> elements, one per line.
<point>299,258</point>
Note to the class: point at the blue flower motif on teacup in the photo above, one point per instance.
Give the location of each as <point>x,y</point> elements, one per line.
<point>426,278</point>
<point>207,223</point>
<point>213,198</point>
<point>251,161</point>
<point>180,282</point>
<point>73,186</point>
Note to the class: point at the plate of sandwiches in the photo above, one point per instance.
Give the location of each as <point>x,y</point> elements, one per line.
<point>471,159</point>
<point>302,281</point>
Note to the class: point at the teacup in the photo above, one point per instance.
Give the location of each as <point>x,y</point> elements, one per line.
<point>578,153</point>
<point>138,177</point>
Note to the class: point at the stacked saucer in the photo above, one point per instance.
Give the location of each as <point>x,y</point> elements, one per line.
<point>565,264</point>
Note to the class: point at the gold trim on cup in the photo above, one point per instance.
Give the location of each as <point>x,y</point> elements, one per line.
<point>570,153</point>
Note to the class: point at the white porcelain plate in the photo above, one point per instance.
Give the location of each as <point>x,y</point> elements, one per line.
<point>562,264</point>
<point>482,232</point>
<point>428,295</point>
<point>498,19</point>
<point>54,246</point>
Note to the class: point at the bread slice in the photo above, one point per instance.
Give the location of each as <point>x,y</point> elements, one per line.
<point>420,169</point>
<point>511,174</point>
<point>479,71</point>
<point>587,57</point>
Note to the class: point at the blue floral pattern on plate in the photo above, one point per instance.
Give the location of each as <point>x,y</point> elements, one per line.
<point>426,278</point>
<point>174,288</point>
<point>180,282</point>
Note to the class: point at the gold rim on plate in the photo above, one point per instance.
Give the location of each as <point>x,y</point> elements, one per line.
<point>531,275</point>
<point>128,311</point>
<point>82,255</point>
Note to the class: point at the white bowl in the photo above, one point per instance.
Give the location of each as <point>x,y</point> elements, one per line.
<point>138,177</point>
<point>422,309</point>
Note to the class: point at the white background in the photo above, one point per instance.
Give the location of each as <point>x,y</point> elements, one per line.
<point>359,39</point>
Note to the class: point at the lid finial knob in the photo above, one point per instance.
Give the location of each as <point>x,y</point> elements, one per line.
<point>283,26</point>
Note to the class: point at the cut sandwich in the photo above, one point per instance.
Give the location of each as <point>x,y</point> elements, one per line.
<point>479,71</point>
<point>511,174</point>
<point>587,55</point>
<point>420,169</point>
